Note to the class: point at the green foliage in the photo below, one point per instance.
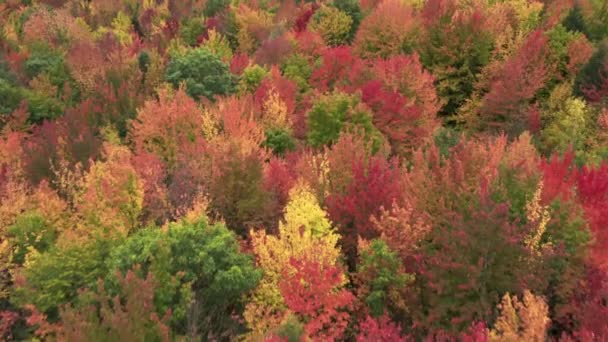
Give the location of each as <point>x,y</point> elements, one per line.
<point>567,126</point>
<point>199,267</point>
<point>203,73</point>
<point>143,60</point>
<point>42,107</point>
<point>455,56</point>
<point>381,271</point>
<point>446,138</point>
<point>10,97</point>
<point>331,114</point>
<point>43,59</point>
<point>591,75</point>
<point>30,232</point>
<point>575,21</point>
<point>512,188</point>
<point>190,29</point>
<point>279,141</point>
<point>53,278</point>
<point>298,69</point>
<point>292,330</point>
<point>352,8</point>
<point>597,19</point>
<point>333,25</point>
<point>214,6</point>
<point>252,77</point>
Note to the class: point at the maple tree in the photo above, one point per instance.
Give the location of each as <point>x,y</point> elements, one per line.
<point>309,292</point>
<point>348,170</point>
<point>305,230</point>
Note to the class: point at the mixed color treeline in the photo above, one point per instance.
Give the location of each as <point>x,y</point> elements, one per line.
<point>265,170</point>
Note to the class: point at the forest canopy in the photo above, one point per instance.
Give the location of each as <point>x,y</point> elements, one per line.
<point>287,170</point>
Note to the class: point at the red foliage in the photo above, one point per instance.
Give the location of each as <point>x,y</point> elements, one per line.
<point>580,51</point>
<point>375,184</point>
<point>592,186</point>
<point>278,179</point>
<point>379,330</point>
<point>339,69</point>
<point>405,124</point>
<point>238,63</point>
<point>534,121</point>
<point>311,293</point>
<point>152,171</point>
<point>272,51</point>
<point>558,179</point>
<point>72,139</point>
<point>285,88</point>
<point>405,74</point>
<point>521,76</point>
<point>310,43</point>
<point>304,17</point>
<point>596,93</point>
<point>189,178</point>
<point>7,320</point>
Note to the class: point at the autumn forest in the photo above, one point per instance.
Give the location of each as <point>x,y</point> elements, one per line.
<point>301,170</point>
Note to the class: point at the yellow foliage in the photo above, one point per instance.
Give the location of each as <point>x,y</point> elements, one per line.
<point>249,21</point>
<point>304,232</point>
<point>275,112</point>
<point>5,269</point>
<point>112,197</point>
<point>121,26</point>
<point>567,126</point>
<point>521,321</point>
<point>42,85</point>
<point>537,214</point>
<point>333,25</point>
<point>218,45</point>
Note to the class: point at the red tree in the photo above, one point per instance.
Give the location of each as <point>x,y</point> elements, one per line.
<point>375,184</point>
<point>516,84</point>
<point>313,293</point>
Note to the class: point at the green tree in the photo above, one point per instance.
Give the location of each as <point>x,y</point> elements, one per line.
<point>332,114</point>
<point>203,73</point>
<point>202,274</point>
<point>30,232</point>
<point>53,278</point>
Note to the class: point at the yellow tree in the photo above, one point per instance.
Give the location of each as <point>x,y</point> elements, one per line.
<point>305,231</point>
<point>112,195</point>
<point>521,321</point>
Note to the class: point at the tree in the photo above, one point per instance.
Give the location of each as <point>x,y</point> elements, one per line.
<point>332,114</point>
<point>332,24</point>
<point>116,321</point>
<point>403,123</point>
<point>112,195</point>
<point>53,278</point>
<point>202,72</point>
<point>313,293</point>
<point>456,47</point>
<point>339,69</point>
<point>379,329</point>
<point>382,281</point>
<point>465,286</point>
<point>202,273</point>
<point>390,29</point>
<point>375,184</point>
<point>162,126</point>
<point>304,231</point>
<point>527,320</point>
<point>511,89</point>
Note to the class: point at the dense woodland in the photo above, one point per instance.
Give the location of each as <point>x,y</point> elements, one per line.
<point>284,170</point>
